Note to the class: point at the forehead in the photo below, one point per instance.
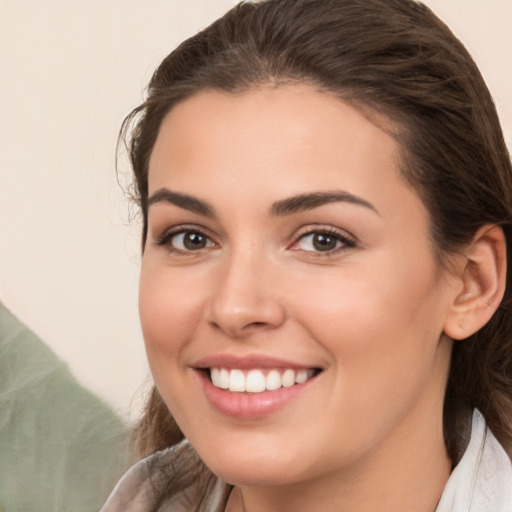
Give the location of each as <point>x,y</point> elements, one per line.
<point>270,143</point>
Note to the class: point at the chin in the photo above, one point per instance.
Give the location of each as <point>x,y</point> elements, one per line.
<point>254,477</point>
<point>254,469</point>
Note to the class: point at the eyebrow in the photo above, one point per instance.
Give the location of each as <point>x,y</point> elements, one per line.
<point>164,195</point>
<point>304,202</point>
<point>295,204</point>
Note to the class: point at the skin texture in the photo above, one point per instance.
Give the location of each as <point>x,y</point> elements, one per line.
<point>366,433</point>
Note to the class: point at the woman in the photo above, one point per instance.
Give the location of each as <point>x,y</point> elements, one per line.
<point>324,299</point>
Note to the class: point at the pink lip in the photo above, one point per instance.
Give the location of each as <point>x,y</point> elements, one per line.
<point>249,406</point>
<point>249,361</point>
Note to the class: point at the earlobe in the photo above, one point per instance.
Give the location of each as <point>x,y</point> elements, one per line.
<point>483,275</point>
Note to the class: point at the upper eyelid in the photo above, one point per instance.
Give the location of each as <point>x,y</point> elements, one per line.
<point>178,228</point>
<point>168,233</point>
<point>325,228</point>
<point>333,234</point>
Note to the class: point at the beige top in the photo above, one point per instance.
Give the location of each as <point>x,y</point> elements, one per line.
<point>481,481</point>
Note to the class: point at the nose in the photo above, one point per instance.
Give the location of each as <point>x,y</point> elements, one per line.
<point>245,299</point>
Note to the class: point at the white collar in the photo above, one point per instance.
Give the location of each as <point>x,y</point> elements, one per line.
<point>482,480</point>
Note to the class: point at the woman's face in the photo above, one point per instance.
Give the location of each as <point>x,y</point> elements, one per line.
<point>287,260</point>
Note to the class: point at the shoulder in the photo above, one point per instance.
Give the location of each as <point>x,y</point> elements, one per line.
<point>169,480</point>
<point>135,491</point>
<point>482,480</point>
<point>493,474</point>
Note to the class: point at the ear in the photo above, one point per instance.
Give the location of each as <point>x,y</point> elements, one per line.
<point>482,273</point>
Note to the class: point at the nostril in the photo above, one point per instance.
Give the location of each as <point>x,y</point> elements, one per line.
<point>255,326</point>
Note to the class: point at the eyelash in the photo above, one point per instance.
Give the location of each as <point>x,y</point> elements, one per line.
<point>346,242</point>
<point>165,240</point>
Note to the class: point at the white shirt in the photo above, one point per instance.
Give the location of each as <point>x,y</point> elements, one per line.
<point>482,480</point>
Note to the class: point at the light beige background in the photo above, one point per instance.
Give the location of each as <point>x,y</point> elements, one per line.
<point>70,70</point>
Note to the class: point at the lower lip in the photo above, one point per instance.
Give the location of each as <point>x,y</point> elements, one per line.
<point>251,405</point>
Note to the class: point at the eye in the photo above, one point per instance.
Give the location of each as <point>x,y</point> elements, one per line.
<point>189,241</point>
<point>322,241</point>
<point>185,241</point>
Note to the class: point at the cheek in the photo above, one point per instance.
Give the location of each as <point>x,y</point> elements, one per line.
<point>376,319</point>
<point>168,311</point>
<point>382,334</point>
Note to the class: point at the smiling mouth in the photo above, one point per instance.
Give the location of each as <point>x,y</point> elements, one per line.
<point>257,380</point>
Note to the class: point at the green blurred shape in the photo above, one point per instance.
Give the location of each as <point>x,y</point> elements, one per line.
<point>61,448</point>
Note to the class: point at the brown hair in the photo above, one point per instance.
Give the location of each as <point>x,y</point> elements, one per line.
<point>388,57</point>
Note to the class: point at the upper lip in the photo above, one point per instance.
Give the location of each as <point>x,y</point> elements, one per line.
<point>248,361</point>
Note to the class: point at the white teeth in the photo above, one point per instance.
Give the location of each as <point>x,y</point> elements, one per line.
<point>255,381</point>
<point>224,379</point>
<point>215,374</point>
<point>288,378</point>
<point>301,376</point>
<point>273,380</point>
<point>237,380</point>
<point>221,377</point>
